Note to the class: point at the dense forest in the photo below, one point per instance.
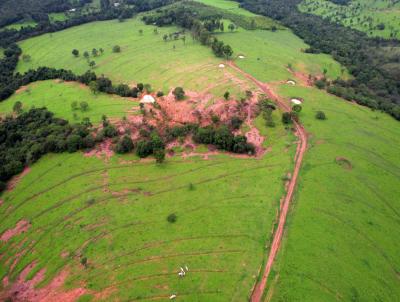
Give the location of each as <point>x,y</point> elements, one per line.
<point>374,63</point>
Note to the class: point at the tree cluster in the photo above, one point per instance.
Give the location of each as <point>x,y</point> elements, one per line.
<point>30,135</point>
<point>201,28</point>
<point>223,139</point>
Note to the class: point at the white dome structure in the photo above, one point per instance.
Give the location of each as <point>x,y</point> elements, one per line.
<point>296,101</point>
<point>147,99</point>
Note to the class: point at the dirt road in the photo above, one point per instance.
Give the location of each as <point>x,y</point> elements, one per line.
<point>301,148</point>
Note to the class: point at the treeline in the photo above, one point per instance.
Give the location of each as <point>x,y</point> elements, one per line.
<point>27,137</point>
<point>340,2</point>
<point>11,12</point>
<point>109,12</point>
<point>201,28</point>
<point>373,62</point>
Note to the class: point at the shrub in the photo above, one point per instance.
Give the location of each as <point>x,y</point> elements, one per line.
<point>159,155</point>
<point>125,145</point>
<point>116,49</point>
<point>320,115</point>
<point>160,94</point>
<point>236,122</point>
<point>172,218</point>
<point>286,118</point>
<point>110,131</point>
<point>179,93</point>
<point>297,108</point>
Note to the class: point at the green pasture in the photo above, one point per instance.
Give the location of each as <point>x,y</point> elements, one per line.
<point>114,213</point>
<point>229,6</point>
<point>58,97</point>
<point>19,25</point>
<point>362,15</point>
<point>147,58</point>
<point>144,57</point>
<point>268,55</point>
<point>54,17</point>
<point>340,242</point>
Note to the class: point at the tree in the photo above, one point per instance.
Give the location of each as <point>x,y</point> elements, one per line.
<point>95,52</point>
<point>84,262</point>
<point>17,108</point>
<point>159,155</point>
<point>75,52</point>
<point>231,27</point>
<point>84,106</point>
<point>286,118</point>
<point>236,122</point>
<point>226,95</point>
<point>74,105</point>
<point>92,64</point>
<point>222,26</point>
<point>297,108</point>
<point>125,145</point>
<point>227,51</point>
<point>141,32</point>
<point>116,48</point>
<point>101,50</point>
<point>26,58</point>
<point>179,93</point>
<point>165,38</point>
<point>94,87</point>
<point>172,218</point>
<point>320,115</point>
<point>86,55</point>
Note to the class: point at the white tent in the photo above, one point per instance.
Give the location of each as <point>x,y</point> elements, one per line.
<point>296,101</point>
<point>147,99</point>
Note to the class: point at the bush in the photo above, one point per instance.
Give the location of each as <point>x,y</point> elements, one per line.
<point>160,94</point>
<point>116,49</point>
<point>179,93</point>
<point>297,108</point>
<point>172,218</point>
<point>159,155</point>
<point>109,131</point>
<point>144,149</point>
<point>236,122</point>
<point>125,145</point>
<point>286,118</point>
<point>320,115</point>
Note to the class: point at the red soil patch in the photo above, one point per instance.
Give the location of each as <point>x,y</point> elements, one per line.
<point>1,202</point>
<point>21,227</point>
<point>16,179</point>
<point>25,290</point>
<point>21,89</point>
<point>303,79</point>
<point>102,150</point>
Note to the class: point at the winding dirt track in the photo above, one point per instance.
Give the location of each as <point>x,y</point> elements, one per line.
<point>301,148</point>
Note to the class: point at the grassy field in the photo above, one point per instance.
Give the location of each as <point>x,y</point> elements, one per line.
<point>339,243</point>
<point>364,15</point>
<point>144,57</point>
<point>58,97</point>
<point>147,58</point>
<point>19,25</point>
<point>54,17</point>
<point>230,6</point>
<point>115,214</point>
